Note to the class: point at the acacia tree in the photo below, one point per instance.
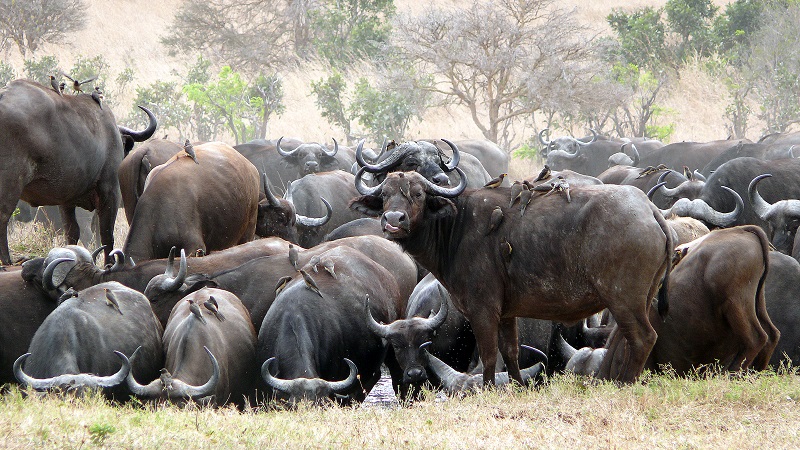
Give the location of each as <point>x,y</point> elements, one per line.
<point>30,23</point>
<point>499,59</point>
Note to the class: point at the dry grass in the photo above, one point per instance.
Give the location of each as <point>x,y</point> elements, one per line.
<point>715,412</point>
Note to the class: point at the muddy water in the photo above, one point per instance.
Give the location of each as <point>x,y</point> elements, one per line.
<point>382,395</point>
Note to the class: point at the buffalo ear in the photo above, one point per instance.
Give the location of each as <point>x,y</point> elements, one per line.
<point>127,144</point>
<point>439,207</point>
<point>198,281</point>
<point>369,205</point>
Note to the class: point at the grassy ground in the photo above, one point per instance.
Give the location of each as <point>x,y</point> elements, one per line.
<point>718,411</point>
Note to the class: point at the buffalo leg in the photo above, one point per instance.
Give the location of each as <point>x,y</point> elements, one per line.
<point>640,337</point>
<point>107,214</point>
<point>746,327</point>
<point>70,223</point>
<point>509,347</point>
<point>8,203</point>
<point>773,334</point>
<point>485,329</point>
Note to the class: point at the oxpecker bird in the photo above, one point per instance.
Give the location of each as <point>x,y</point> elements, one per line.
<point>293,255</point>
<point>55,85</point>
<point>544,174</point>
<point>329,266</point>
<point>524,199</point>
<point>76,85</point>
<point>313,262</point>
<point>495,182</point>
<point>111,300</point>
<point>494,220</point>
<point>196,311</point>
<point>211,305</point>
<point>166,379</point>
<point>516,189</point>
<point>310,282</point>
<point>97,96</point>
<point>189,149</point>
<point>560,184</point>
<point>282,284</point>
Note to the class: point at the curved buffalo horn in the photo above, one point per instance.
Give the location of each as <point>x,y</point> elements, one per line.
<point>119,260</point>
<point>451,379</point>
<point>276,383</point>
<point>273,201</point>
<point>373,325</point>
<point>760,206</point>
<point>445,192</point>
<point>344,385</point>
<point>152,390</point>
<point>535,350</point>
<point>562,153</point>
<point>531,372</point>
<point>81,253</point>
<point>47,276</point>
<point>594,138</point>
<point>698,176</point>
<point>364,189</point>
<point>335,149</point>
<point>392,161</point>
<point>635,154</point>
<point>563,346</point>
<point>71,380</point>
<point>147,133</point>
<point>436,321</point>
<point>791,152</point>
<point>541,138</point>
<point>97,252</point>
<point>456,156</point>
<point>316,221</point>
<point>701,210</point>
<point>173,284</point>
<point>654,189</point>
<point>170,262</point>
<point>281,151</point>
<point>184,390</point>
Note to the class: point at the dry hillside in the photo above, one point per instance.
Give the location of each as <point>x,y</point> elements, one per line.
<point>126,33</point>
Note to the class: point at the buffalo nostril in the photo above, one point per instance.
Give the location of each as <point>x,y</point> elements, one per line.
<point>415,374</point>
<point>394,218</point>
<point>441,179</point>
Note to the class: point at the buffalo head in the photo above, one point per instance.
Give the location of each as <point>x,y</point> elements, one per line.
<point>311,157</point>
<point>422,157</point>
<point>409,337</point>
<point>405,200</point>
<point>277,216</point>
<point>783,216</point>
<point>313,390</point>
<point>567,144</point>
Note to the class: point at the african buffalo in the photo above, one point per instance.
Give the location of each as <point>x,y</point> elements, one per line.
<point>60,150</point>
<point>137,165</point>
<point>677,185</point>
<point>80,337</point>
<point>454,382</point>
<point>782,217</point>
<point>210,347</point>
<point>694,155</point>
<point>581,264</point>
<point>758,151</point>
<point>211,204</point>
<point>362,226</point>
<point>278,216</point>
<point>491,157</point>
<point>316,329</point>
<point>782,295</point>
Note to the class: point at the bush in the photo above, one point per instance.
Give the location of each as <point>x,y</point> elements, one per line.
<point>41,69</point>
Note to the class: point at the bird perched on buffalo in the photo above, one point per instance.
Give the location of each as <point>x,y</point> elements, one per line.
<point>212,305</point>
<point>97,96</point>
<point>111,300</point>
<point>328,265</point>
<point>310,283</point>
<point>189,150</point>
<point>282,284</point>
<point>293,255</point>
<point>524,199</point>
<point>196,311</point>
<point>55,85</point>
<point>494,220</point>
<point>560,184</point>
<point>544,174</point>
<point>516,189</point>
<point>314,262</point>
<point>496,182</point>
<point>76,85</point>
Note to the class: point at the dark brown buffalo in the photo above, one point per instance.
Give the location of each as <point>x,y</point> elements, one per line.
<point>137,165</point>
<point>337,188</point>
<point>694,155</point>
<point>717,309</point>
<point>782,294</point>
<point>208,356</point>
<point>359,227</point>
<point>75,346</point>
<point>23,308</point>
<point>560,261</point>
<point>312,335</point>
<point>60,150</point>
<point>209,205</point>
<point>677,185</point>
<point>782,217</point>
<point>278,216</point>
<point>491,157</point>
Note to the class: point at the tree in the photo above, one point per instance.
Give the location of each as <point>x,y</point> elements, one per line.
<point>499,59</point>
<point>7,73</point>
<point>30,23</point>
<point>638,113</point>
<point>691,20</point>
<point>642,38</point>
<point>40,70</point>
<point>332,100</point>
<point>167,101</point>
<point>348,29</point>
<point>270,89</point>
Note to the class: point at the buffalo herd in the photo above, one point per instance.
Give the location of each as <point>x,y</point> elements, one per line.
<point>287,271</point>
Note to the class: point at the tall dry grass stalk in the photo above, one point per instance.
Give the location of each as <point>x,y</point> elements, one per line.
<point>718,411</point>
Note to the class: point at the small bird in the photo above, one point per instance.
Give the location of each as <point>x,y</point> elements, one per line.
<point>310,282</point>
<point>516,189</point>
<point>494,220</point>
<point>111,300</point>
<point>544,174</point>
<point>293,255</point>
<point>495,182</point>
<point>282,284</point>
<point>166,379</point>
<point>560,184</point>
<point>199,253</point>
<point>55,85</point>
<point>650,169</point>
<point>196,311</point>
<point>189,149</point>
<point>313,262</point>
<point>211,305</point>
<point>506,250</point>
<point>97,96</point>
<point>524,199</point>
<point>329,266</point>
<point>76,85</point>
<point>61,87</point>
